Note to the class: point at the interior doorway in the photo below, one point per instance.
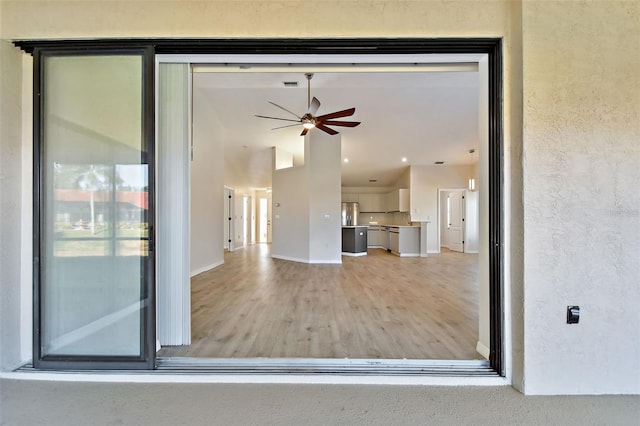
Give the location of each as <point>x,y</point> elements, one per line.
<point>267,232</point>
<point>263,220</point>
<point>458,220</point>
<point>246,214</point>
<point>264,235</point>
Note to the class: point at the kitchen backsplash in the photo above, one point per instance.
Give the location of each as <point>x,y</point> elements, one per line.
<point>395,218</point>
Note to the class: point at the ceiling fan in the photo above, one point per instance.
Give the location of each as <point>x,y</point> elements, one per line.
<point>309,120</point>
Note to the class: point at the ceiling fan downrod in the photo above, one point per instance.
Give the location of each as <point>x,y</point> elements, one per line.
<point>309,76</point>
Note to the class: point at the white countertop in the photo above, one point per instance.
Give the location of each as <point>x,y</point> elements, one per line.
<point>397,226</point>
<point>355,226</point>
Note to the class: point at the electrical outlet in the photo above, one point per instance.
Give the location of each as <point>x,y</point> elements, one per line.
<point>573,314</point>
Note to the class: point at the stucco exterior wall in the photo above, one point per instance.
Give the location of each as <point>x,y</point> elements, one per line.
<point>581,90</point>
<point>578,62</point>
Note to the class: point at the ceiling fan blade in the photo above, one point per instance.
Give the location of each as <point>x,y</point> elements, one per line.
<point>304,132</point>
<point>326,129</point>
<point>284,127</point>
<point>341,123</point>
<point>337,114</point>
<point>277,118</point>
<point>284,109</point>
<point>313,108</point>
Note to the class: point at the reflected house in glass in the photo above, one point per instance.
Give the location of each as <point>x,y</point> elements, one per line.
<point>73,208</point>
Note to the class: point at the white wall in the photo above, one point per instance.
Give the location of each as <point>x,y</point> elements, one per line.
<point>580,82</point>
<point>306,204</point>
<point>423,198</point>
<point>281,158</point>
<point>207,188</point>
<point>11,306</point>
<point>323,157</point>
<point>581,200</point>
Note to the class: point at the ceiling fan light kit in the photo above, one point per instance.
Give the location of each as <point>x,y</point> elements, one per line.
<point>309,120</point>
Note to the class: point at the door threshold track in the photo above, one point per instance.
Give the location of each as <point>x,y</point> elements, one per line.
<point>326,366</point>
<point>299,366</point>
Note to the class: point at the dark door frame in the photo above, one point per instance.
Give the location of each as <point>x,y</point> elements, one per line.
<point>492,47</point>
<point>146,359</point>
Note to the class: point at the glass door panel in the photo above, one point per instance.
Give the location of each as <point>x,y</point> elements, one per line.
<point>95,176</point>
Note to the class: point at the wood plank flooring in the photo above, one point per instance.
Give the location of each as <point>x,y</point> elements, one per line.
<point>375,306</point>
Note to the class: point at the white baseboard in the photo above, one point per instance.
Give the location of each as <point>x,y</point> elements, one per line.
<point>206,268</point>
<point>293,259</point>
<point>482,350</point>
<point>301,260</point>
<point>409,255</point>
<point>472,251</point>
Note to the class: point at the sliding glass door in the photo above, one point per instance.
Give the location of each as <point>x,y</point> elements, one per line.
<point>94,198</point>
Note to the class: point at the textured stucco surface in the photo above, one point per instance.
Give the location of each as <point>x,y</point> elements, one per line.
<point>10,200</point>
<point>84,404</point>
<point>571,96</point>
<point>266,18</point>
<point>582,205</point>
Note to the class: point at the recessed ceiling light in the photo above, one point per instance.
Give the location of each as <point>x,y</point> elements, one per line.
<point>346,160</point>
<point>439,162</point>
<point>404,159</point>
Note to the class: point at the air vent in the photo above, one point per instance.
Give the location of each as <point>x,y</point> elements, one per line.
<point>439,162</point>
<point>373,180</point>
<point>290,83</point>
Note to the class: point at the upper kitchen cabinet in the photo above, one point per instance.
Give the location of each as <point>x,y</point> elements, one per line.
<point>349,197</point>
<point>398,200</point>
<point>372,203</point>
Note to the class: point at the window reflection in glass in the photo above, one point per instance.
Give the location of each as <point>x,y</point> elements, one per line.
<point>100,210</point>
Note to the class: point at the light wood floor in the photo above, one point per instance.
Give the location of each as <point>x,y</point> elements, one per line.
<point>375,306</point>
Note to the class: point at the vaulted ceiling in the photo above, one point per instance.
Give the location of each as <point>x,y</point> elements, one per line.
<point>424,116</point>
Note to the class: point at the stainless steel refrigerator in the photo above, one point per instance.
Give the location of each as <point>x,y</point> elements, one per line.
<point>350,214</point>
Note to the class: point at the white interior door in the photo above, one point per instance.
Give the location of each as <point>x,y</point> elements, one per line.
<point>262,220</point>
<point>246,214</point>
<point>456,221</point>
<point>269,220</point>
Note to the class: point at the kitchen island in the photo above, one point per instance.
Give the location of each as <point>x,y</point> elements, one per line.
<point>354,240</point>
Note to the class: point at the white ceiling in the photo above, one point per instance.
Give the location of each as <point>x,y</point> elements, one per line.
<point>423,116</point>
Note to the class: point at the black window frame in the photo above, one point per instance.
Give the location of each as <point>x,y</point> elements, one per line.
<point>146,360</point>
<point>492,47</point>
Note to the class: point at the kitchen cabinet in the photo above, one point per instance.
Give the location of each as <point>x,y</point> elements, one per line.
<point>372,203</point>
<point>404,241</point>
<point>354,240</point>
<point>384,237</point>
<point>349,197</point>
<point>398,200</point>
<point>375,236</point>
